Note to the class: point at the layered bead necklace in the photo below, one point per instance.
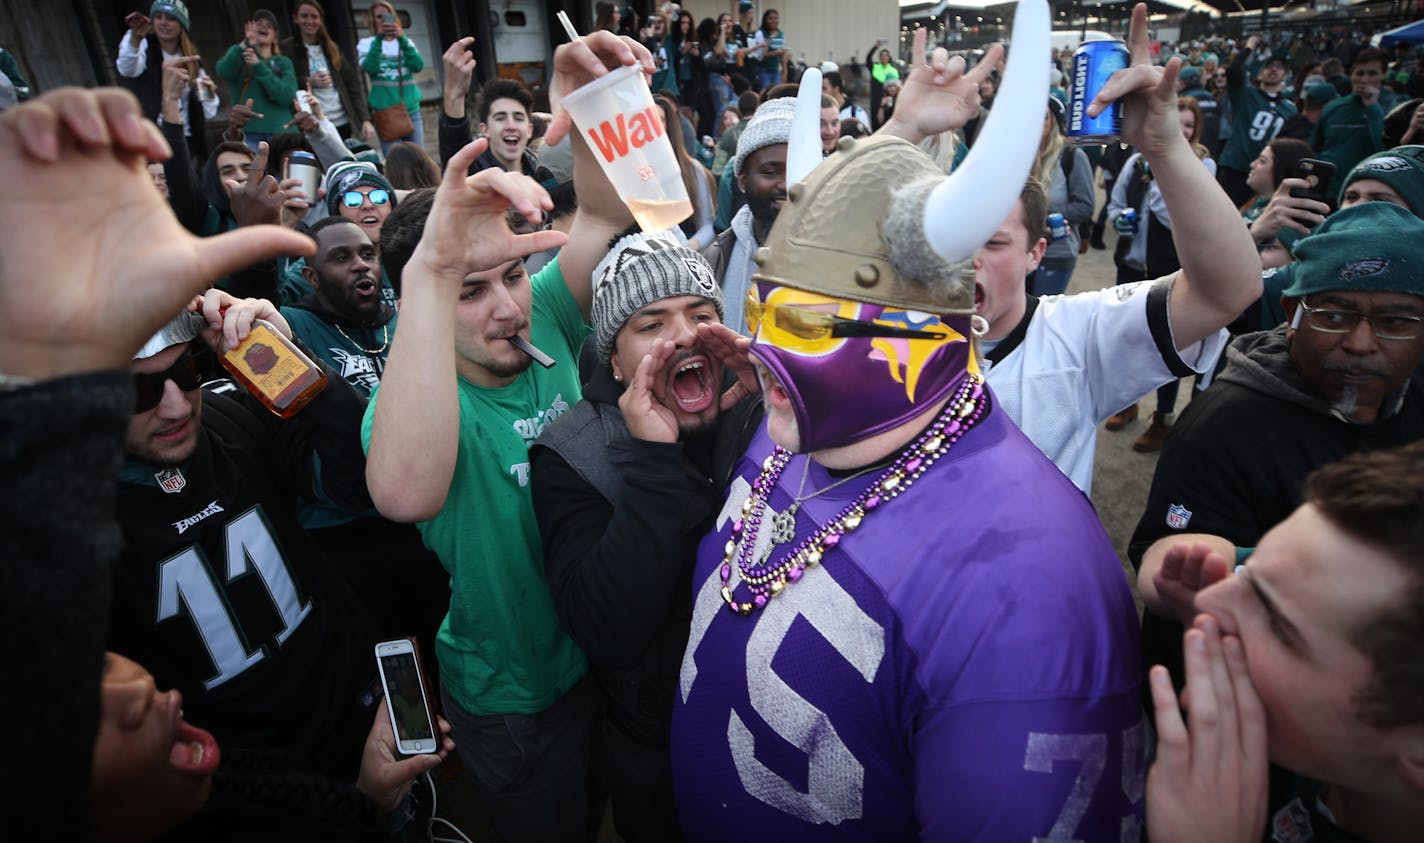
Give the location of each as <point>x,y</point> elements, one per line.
<point>766,579</point>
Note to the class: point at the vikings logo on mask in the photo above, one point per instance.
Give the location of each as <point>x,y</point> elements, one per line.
<point>852,369</point>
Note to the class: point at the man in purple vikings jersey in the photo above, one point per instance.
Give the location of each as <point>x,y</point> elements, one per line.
<point>907,623</point>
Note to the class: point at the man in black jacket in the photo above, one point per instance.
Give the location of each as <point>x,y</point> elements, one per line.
<point>1337,380</point>
<point>509,101</point>
<point>624,486</point>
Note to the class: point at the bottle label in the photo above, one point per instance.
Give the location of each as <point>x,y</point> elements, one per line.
<point>265,361</point>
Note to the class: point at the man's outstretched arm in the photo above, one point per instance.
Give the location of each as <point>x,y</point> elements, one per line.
<point>1221,270</point>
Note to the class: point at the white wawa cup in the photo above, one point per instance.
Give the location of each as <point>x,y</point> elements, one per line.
<point>623,128</point>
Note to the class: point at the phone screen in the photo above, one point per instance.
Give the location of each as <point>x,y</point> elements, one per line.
<point>405,697</point>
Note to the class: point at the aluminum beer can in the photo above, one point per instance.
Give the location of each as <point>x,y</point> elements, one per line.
<point>1130,216</point>
<point>1057,226</point>
<point>1093,63</point>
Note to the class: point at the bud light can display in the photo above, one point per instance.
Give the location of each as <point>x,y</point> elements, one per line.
<point>1057,226</point>
<point>1129,218</point>
<point>1093,63</point>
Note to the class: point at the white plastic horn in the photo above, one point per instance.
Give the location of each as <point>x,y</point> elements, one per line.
<point>965,210</point>
<point>803,152</point>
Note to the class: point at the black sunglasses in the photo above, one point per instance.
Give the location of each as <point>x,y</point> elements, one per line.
<point>187,372</point>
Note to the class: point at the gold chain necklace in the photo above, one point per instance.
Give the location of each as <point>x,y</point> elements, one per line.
<point>385,339</point>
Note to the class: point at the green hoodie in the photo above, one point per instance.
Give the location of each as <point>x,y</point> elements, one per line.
<point>271,84</point>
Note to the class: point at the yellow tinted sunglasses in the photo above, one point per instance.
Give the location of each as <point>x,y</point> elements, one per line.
<point>814,325</point>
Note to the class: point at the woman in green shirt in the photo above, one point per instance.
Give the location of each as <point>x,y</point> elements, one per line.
<point>256,70</point>
<point>391,61</point>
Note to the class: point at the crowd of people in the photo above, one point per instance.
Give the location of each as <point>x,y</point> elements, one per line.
<point>771,525</point>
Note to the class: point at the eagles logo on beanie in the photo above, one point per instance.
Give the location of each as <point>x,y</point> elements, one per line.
<point>346,175</point>
<point>1370,247</point>
<point>1402,168</point>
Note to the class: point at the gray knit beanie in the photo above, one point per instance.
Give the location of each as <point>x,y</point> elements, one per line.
<point>639,270</point>
<point>771,124</point>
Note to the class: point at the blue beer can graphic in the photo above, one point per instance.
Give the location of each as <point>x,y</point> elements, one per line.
<point>1093,63</point>
<point>1057,226</point>
<point>1129,218</point>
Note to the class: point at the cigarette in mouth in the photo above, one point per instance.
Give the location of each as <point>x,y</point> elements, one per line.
<point>525,346</point>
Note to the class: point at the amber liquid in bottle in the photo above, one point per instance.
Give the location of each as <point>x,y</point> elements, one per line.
<point>272,368</point>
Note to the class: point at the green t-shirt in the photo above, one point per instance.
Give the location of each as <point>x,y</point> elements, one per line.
<point>1255,120</point>
<point>501,648</point>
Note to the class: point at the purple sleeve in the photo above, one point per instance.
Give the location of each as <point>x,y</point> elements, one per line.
<point>1046,769</point>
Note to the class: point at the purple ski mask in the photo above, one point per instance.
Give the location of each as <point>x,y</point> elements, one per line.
<point>850,369</point>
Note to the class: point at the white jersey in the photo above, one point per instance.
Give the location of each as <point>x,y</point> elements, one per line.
<point>1075,360</point>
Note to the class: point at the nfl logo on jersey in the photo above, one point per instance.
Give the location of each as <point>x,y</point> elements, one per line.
<point>1291,824</point>
<point>171,480</point>
<point>1178,516</point>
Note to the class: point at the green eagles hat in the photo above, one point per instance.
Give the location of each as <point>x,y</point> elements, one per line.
<point>1320,93</point>
<point>1402,168</point>
<point>1190,75</point>
<point>1374,247</point>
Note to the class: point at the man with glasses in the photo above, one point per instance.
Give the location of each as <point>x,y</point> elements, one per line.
<point>357,191</point>
<point>219,591</point>
<point>1335,380</point>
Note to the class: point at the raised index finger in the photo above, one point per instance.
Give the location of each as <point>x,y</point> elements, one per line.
<point>917,50</point>
<point>1137,36</point>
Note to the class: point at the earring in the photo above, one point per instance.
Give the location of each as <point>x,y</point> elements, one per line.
<point>979,326</point>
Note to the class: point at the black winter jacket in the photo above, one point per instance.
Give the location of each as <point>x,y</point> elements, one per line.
<point>620,521</point>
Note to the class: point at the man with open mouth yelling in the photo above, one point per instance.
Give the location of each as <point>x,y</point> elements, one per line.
<point>624,487</point>
<point>652,295</point>
<point>504,119</point>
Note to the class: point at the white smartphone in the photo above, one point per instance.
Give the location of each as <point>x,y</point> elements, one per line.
<point>405,697</point>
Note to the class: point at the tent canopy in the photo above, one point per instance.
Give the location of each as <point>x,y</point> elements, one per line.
<point>1410,33</point>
